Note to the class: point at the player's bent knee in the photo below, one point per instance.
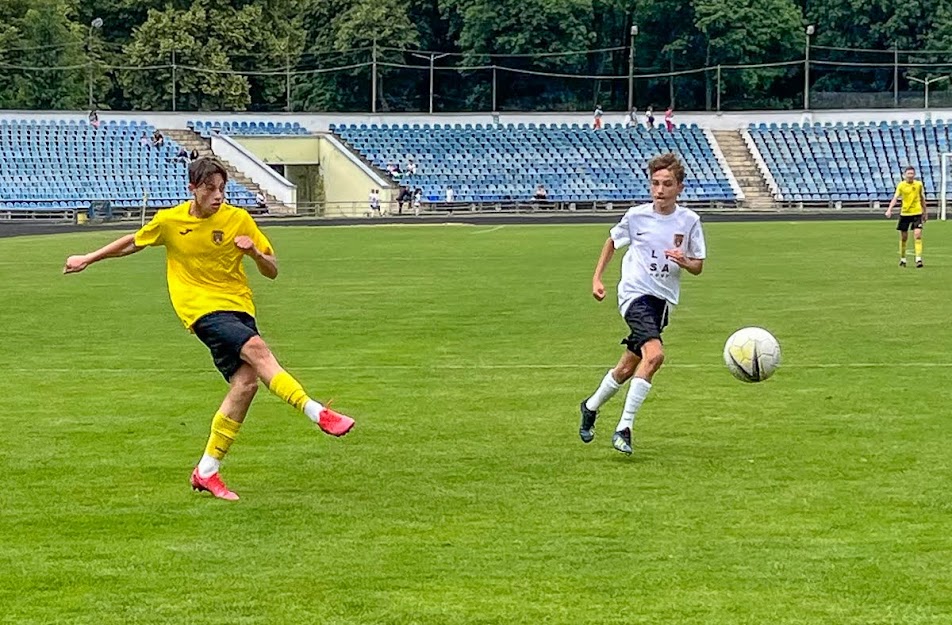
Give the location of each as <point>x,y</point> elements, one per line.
<point>255,350</point>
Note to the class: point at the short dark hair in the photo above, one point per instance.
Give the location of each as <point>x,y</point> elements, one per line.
<point>909,168</point>
<point>667,161</point>
<point>201,169</point>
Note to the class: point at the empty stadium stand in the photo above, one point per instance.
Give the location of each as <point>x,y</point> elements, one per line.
<point>846,162</point>
<point>575,163</point>
<point>57,165</point>
<point>207,127</point>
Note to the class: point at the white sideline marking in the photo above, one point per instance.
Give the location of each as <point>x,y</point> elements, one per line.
<point>493,229</point>
<point>511,366</point>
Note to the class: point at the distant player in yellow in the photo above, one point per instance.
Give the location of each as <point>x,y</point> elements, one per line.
<point>205,241</point>
<point>913,213</point>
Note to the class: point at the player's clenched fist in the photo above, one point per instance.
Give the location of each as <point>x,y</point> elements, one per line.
<point>598,290</point>
<point>75,264</point>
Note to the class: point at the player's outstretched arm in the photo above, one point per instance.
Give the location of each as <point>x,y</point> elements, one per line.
<point>267,263</point>
<point>608,251</point>
<point>123,246</point>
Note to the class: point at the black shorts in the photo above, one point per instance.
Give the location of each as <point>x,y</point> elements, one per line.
<point>225,333</point>
<point>909,221</point>
<point>646,317</point>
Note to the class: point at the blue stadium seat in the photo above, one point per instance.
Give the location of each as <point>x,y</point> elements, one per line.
<point>509,161</point>
<point>53,164</point>
<point>852,162</point>
<point>206,127</point>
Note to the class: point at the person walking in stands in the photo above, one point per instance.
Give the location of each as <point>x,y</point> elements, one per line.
<point>598,117</point>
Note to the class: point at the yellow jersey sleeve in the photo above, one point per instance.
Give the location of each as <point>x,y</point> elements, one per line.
<point>260,240</point>
<point>151,233</point>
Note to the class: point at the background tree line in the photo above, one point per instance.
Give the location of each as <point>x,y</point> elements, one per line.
<point>308,36</point>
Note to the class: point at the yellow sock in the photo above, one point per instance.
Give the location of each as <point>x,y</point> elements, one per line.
<point>902,249</point>
<point>224,431</point>
<point>284,385</point>
<point>918,244</point>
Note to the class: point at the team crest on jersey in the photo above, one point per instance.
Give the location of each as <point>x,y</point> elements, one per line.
<point>218,236</point>
<point>678,240</point>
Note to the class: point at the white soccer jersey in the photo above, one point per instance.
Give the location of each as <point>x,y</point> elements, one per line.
<point>645,270</point>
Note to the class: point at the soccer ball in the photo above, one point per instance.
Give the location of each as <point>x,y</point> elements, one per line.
<point>752,354</point>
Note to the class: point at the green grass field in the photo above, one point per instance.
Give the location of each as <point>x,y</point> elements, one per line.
<point>464,495</point>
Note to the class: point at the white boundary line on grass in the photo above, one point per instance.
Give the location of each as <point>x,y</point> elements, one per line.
<point>511,366</point>
<point>493,229</point>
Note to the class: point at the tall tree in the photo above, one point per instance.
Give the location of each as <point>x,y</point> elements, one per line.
<point>748,32</point>
<point>53,46</point>
<point>211,42</point>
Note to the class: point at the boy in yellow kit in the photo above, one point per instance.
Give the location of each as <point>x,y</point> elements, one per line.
<point>913,213</point>
<point>205,241</point>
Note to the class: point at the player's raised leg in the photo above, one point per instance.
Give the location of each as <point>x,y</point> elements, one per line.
<point>652,357</point>
<point>609,385</point>
<point>243,386</point>
<point>282,384</point>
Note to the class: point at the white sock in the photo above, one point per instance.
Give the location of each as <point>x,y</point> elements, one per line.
<point>606,390</point>
<point>313,410</point>
<point>208,466</point>
<point>918,258</point>
<point>637,391</point>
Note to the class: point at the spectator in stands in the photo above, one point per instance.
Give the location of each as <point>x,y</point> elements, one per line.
<point>397,173</point>
<point>374,203</point>
<point>669,119</point>
<point>417,200</point>
<point>411,167</point>
<point>541,193</point>
<point>194,155</point>
<point>182,155</point>
<point>144,140</point>
<point>450,195</point>
<point>598,117</point>
<point>158,140</point>
<point>391,168</point>
<point>649,118</point>
<point>94,119</point>
<point>261,201</point>
<point>631,119</point>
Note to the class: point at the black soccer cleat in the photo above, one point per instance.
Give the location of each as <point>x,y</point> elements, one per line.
<point>586,429</point>
<point>902,262</point>
<point>919,264</point>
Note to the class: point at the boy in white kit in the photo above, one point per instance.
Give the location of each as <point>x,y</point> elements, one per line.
<point>663,239</point>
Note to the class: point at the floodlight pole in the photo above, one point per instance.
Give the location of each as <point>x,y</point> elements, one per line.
<point>631,66</point>
<point>810,29</point>
<point>96,23</point>
<point>373,81</point>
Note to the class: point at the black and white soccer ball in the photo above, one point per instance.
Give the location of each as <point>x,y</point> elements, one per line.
<point>752,354</point>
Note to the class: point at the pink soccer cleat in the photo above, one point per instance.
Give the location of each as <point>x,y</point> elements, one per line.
<point>213,485</point>
<point>334,423</point>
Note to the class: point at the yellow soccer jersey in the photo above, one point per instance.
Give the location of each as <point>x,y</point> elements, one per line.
<point>202,262</point>
<point>911,194</point>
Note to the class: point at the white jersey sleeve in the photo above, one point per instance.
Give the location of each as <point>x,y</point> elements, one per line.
<point>621,233</point>
<point>697,248</point>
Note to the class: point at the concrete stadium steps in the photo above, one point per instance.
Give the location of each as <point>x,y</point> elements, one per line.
<point>742,165</point>
<point>191,140</point>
